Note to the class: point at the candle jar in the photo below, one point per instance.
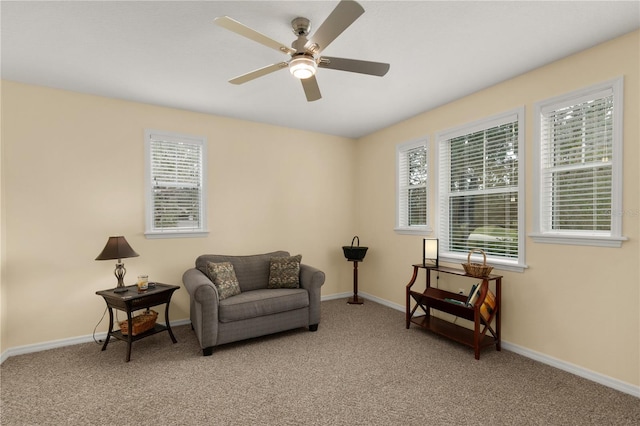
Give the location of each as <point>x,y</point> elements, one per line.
<point>143,282</point>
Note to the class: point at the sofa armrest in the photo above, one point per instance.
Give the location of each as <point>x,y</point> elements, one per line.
<point>200,287</point>
<point>203,303</point>
<point>312,279</point>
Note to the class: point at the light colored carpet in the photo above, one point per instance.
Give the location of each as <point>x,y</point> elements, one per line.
<point>362,367</point>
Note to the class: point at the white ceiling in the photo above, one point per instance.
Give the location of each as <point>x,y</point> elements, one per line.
<point>170,53</point>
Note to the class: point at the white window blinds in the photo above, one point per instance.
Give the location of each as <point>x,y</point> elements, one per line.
<point>175,179</point>
<point>412,186</point>
<point>479,188</point>
<point>576,165</point>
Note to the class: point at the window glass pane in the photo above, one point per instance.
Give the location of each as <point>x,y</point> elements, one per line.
<point>412,186</point>
<point>466,162</point>
<point>502,156</point>
<point>176,207</point>
<point>480,188</point>
<point>581,133</point>
<point>176,180</point>
<point>417,159</point>
<point>582,199</point>
<point>175,184</point>
<point>486,159</point>
<point>576,155</point>
<point>417,196</point>
<point>417,206</point>
<point>485,221</point>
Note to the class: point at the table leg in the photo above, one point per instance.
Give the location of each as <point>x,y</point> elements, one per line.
<point>166,319</point>
<point>409,312</point>
<point>106,340</point>
<point>498,313</point>
<point>130,335</point>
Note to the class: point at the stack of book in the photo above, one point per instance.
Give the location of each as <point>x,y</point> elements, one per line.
<point>474,293</point>
<point>488,304</point>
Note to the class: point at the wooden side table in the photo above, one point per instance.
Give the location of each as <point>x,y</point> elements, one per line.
<point>132,300</point>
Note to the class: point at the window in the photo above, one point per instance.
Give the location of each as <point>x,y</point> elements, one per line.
<point>481,190</point>
<point>411,191</point>
<point>175,185</point>
<point>579,167</point>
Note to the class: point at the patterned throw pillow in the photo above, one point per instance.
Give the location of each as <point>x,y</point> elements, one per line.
<point>224,278</point>
<point>284,272</point>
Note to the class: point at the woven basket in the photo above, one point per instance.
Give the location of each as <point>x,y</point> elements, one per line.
<point>478,270</point>
<point>354,253</point>
<point>139,323</point>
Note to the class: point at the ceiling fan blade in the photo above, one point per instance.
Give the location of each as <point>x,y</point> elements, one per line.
<point>258,73</point>
<point>345,13</point>
<point>243,30</point>
<point>354,65</point>
<point>311,89</point>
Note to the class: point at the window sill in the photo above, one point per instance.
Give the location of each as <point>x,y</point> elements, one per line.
<point>579,240</point>
<point>498,264</point>
<point>414,230</point>
<point>175,234</point>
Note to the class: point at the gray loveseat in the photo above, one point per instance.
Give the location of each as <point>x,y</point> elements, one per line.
<point>257,310</point>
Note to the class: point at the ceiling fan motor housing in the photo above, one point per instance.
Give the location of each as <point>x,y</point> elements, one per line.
<point>301,26</point>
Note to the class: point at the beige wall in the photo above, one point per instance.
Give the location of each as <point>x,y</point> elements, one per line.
<point>577,304</point>
<point>3,299</point>
<point>73,171</point>
<point>72,174</point>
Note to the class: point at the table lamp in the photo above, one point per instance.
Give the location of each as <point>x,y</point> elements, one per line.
<point>118,248</point>
<point>430,252</point>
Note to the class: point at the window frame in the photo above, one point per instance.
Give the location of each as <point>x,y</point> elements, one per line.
<point>613,237</point>
<point>151,231</point>
<point>443,176</point>
<point>402,225</point>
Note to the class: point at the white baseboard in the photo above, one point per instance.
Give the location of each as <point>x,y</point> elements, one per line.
<point>537,356</point>
<point>335,296</point>
<point>616,384</point>
<point>574,369</point>
<point>382,302</point>
<point>38,347</point>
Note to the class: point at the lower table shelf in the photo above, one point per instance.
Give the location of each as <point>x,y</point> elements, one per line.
<point>452,331</point>
<point>158,328</point>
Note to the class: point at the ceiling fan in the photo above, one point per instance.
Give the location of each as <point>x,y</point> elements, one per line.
<point>305,52</point>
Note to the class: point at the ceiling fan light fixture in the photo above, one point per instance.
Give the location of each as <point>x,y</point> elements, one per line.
<point>303,67</point>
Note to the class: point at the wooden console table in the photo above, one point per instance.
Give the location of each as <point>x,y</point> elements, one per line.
<point>482,335</point>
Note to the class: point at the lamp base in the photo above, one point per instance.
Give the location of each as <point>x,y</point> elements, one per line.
<point>119,273</point>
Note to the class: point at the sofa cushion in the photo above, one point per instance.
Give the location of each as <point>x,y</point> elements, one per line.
<point>284,272</point>
<point>224,278</point>
<point>257,303</point>
<point>252,271</point>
